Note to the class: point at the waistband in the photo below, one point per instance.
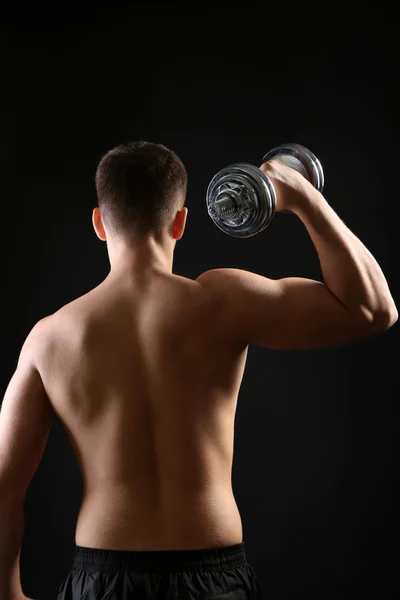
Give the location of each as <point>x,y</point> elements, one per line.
<point>159,560</point>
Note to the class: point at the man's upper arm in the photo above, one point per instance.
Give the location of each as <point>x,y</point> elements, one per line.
<point>285,314</point>
<point>25,420</point>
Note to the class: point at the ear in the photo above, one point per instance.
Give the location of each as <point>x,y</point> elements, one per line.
<point>180,223</point>
<point>98,224</point>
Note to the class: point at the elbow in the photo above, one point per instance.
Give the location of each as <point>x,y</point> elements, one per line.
<point>386,319</point>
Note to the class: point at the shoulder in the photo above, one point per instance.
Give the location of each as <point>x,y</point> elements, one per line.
<point>38,333</point>
<point>221,275</point>
<point>47,330</point>
<point>35,341</point>
<point>223,281</point>
<point>207,275</point>
<point>49,333</point>
<point>221,286</point>
<point>45,338</point>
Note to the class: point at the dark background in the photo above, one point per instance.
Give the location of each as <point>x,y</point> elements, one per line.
<point>314,468</point>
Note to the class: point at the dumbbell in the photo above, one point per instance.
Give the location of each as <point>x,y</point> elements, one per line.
<point>241,199</point>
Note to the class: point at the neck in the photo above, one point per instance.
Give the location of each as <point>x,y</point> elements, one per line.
<point>150,257</point>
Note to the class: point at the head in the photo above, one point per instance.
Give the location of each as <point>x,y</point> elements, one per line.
<point>141,190</point>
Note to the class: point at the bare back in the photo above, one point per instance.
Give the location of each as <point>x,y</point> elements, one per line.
<point>145,381</point>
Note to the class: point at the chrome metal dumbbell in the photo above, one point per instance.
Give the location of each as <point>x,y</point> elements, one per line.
<point>241,199</point>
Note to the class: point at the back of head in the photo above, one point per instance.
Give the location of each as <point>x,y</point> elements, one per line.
<point>140,187</point>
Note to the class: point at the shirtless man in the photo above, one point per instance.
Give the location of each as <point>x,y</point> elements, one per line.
<point>144,373</point>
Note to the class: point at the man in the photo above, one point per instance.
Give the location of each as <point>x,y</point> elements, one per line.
<point>144,373</point>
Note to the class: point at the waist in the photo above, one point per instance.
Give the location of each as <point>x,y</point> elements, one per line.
<point>162,560</point>
<point>108,520</point>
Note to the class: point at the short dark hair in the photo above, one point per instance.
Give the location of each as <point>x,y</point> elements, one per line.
<point>140,186</point>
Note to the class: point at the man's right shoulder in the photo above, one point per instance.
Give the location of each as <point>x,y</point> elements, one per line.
<point>224,280</point>
<point>218,275</point>
<point>223,284</point>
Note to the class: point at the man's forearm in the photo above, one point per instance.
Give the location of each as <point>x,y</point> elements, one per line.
<point>11,534</point>
<point>350,271</point>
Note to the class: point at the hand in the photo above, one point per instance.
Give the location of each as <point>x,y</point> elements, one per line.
<point>292,189</point>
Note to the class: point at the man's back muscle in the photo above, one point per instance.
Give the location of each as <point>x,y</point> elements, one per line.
<point>145,380</point>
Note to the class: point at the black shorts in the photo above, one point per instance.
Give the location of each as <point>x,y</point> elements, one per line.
<point>211,574</point>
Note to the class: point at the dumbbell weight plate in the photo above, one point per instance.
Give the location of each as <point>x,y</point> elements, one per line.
<point>301,159</point>
<point>241,200</point>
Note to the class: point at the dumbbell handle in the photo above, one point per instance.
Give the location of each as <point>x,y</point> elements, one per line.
<point>302,160</point>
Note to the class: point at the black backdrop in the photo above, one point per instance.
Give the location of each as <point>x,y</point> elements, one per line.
<point>313,469</point>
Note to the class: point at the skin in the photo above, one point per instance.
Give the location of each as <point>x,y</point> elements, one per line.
<point>144,373</point>
<point>144,376</point>
<point>145,380</point>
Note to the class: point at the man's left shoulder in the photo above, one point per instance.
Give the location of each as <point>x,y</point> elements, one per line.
<point>42,328</point>
<point>38,338</point>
